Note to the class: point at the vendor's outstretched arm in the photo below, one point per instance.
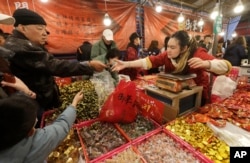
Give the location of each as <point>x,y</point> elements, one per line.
<point>140,63</point>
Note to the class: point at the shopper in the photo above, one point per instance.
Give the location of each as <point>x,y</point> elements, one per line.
<point>207,43</point>
<point>83,52</point>
<point>20,141</point>
<point>109,59</point>
<point>15,83</point>
<point>104,45</point>
<point>35,66</point>
<point>132,54</point>
<point>153,49</point>
<point>183,57</point>
<point>236,51</point>
<point>4,53</point>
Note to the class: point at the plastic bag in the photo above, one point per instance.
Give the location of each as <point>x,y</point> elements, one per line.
<point>120,106</point>
<point>104,85</point>
<point>223,86</point>
<point>232,135</point>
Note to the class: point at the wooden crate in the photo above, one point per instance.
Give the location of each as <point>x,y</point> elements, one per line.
<point>182,102</point>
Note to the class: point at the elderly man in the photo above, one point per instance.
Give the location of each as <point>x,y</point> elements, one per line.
<point>35,66</point>
<point>102,47</point>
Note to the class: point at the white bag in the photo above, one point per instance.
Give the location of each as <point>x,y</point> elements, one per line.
<point>104,85</point>
<point>223,86</point>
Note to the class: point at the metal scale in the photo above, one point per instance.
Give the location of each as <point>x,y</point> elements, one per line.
<point>175,83</point>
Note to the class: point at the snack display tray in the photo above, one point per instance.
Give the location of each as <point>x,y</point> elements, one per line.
<point>156,128</point>
<point>199,156</point>
<point>89,123</point>
<point>116,152</point>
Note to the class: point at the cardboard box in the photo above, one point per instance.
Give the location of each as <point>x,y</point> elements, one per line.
<point>181,103</point>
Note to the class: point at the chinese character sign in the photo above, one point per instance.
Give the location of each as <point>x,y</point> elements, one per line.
<point>120,105</point>
<point>192,25</point>
<point>150,107</point>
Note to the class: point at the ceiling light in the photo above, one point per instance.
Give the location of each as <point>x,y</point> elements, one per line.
<point>215,11</point>
<point>222,33</point>
<point>158,7</point>
<point>106,20</point>
<point>239,7</point>
<point>180,18</point>
<point>44,1</point>
<point>234,34</point>
<point>201,22</point>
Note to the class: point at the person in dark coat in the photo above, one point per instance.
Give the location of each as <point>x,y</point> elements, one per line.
<point>236,51</point>
<point>35,66</point>
<point>9,84</point>
<point>153,49</point>
<point>83,52</point>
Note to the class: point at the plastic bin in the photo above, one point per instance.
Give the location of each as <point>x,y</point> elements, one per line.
<point>99,138</point>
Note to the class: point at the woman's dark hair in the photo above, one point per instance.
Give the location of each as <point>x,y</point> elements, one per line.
<point>112,53</point>
<point>166,42</point>
<point>153,45</point>
<point>184,41</point>
<point>17,118</point>
<point>84,51</point>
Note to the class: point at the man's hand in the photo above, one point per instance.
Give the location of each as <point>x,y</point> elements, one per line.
<point>97,65</point>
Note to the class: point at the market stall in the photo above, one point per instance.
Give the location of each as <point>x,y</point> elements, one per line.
<point>197,134</point>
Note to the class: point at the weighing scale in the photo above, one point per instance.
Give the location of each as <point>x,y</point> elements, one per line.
<point>175,83</point>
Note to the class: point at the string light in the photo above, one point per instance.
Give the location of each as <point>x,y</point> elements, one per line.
<point>222,33</point>
<point>234,34</point>
<point>215,12</point>
<point>158,7</point>
<point>181,17</point>
<point>106,21</point>
<point>239,7</point>
<point>201,22</point>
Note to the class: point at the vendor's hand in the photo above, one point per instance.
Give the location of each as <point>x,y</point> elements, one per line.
<point>198,63</point>
<point>119,65</point>
<point>78,97</point>
<point>219,55</point>
<point>20,86</point>
<point>97,65</point>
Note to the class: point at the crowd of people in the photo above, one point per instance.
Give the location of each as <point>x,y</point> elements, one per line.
<point>32,68</point>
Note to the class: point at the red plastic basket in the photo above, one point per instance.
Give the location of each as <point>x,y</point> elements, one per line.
<point>44,116</point>
<point>155,124</point>
<point>182,144</point>
<point>88,124</point>
<point>117,151</point>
